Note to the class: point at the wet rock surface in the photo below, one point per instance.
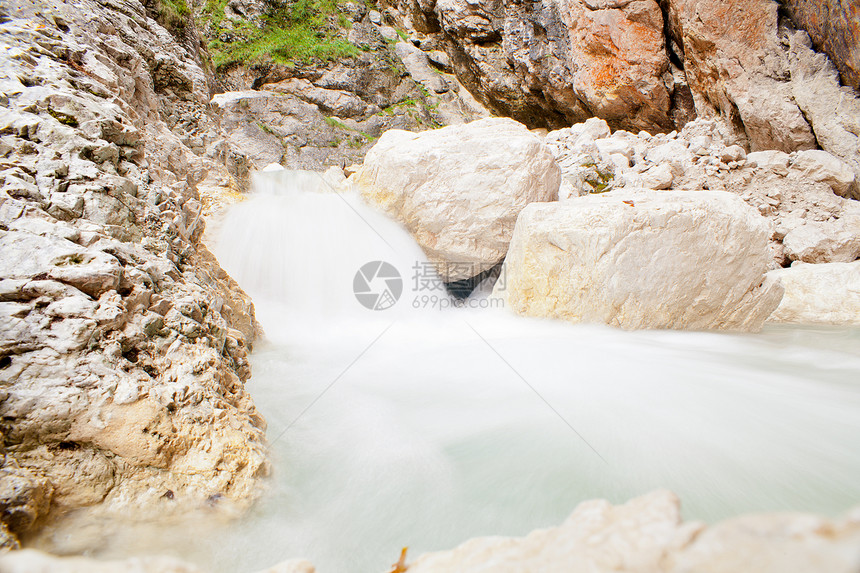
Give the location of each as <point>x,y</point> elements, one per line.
<point>123,344</point>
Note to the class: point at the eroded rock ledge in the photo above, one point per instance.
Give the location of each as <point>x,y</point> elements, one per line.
<point>123,344</point>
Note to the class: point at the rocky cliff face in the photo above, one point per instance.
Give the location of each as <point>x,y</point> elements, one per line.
<point>644,65</point>
<point>123,345</point>
<point>554,63</point>
<point>834,26</point>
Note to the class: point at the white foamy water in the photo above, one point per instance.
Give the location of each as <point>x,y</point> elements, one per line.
<point>425,428</point>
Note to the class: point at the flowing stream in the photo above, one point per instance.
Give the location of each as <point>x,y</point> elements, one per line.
<point>426,426</point>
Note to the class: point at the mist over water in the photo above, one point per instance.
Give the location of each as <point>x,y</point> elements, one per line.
<point>423,428</point>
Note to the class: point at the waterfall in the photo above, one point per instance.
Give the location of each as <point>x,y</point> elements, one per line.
<point>299,243</point>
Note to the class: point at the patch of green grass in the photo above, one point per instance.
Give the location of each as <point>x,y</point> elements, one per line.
<point>172,14</point>
<point>295,31</point>
<point>213,10</point>
<point>392,109</point>
<point>177,7</point>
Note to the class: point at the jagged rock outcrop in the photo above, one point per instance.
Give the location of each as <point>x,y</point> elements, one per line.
<point>462,201</point>
<point>263,127</point>
<point>317,114</point>
<point>553,63</point>
<point>655,65</point>
<point>799,192</point>
<point>123,345</point>
<point>737,68</point>
<point>819,294</point>
<point>642,259</point>
<point>771,90</point>
<point>834,26</point>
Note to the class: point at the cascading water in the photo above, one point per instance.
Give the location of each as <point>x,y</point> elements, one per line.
<point>452,425</point>
<point>422,428</point>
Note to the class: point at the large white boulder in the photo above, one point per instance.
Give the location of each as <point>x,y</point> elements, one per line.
<point>643,259</point>
<point>459,189</point>
<point>823,294</point>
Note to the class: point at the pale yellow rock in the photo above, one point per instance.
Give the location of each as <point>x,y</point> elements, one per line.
<point>459,189</point>
<point>31,561</point>
<point>597,537</point>
<point>823,294</point>
<point>643,259</point>
<point>647,535</point>
<point>291,566</point>
<point>774,543</point>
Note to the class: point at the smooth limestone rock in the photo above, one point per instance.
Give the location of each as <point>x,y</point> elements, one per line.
<point>648,535</point>
<point>819,294</point>
<point>825,241</point>
<point>596,537</point>
<point>643,259</point>
<point>458,190</point>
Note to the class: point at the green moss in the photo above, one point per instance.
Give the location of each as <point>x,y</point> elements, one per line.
<point>265,128</point>
<point>63,118</point>
<point>340,125</point>
<point>295,31</point>
<point>597,187</point>
<point>599,181</point>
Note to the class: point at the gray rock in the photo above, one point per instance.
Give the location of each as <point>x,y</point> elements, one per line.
<point>418,65</point>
